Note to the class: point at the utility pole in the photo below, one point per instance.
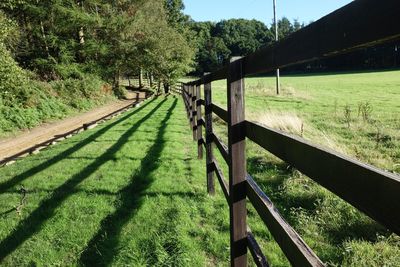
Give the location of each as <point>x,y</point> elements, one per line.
<point>276,40</point>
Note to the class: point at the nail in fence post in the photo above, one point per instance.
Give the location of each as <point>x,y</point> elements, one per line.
<point>209,141</point>
<point>237,166</point>
<point>194,110</point>
<point>199,125</point>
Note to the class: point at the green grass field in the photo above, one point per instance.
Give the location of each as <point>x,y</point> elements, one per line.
<point>318,102</point>
<point>313,106</point>
<point>132,193</point>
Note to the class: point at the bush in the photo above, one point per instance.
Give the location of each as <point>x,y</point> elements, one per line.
<point>120,92</point>
<point>26,102</point>
<point>14,84</point>
<point>79,93</point>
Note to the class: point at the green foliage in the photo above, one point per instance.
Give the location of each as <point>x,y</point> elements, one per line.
<point>9,32</point>
<point>78,93</point>
<point>14,84</point>
<point>285,27</point>
<point>212,51</point>
<point>120,92</point>
<point>24,102</point>
<point>243,36</point>
<point>165,51</point>
<point>62,39</point>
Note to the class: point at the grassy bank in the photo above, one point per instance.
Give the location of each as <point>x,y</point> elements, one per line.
<point>356,114</point>
<point>26,100</point>
<point>46,102</point>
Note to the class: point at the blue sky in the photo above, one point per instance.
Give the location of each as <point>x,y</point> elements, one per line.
<point>303,10</point>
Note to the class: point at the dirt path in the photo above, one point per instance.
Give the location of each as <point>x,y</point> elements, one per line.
<point>13,145</point>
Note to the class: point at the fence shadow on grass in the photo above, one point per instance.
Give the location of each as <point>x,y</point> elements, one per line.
<point>102,248</point>
<point>4,186</point>
<point>33,223</point>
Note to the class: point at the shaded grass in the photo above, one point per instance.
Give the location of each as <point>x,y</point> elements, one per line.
<point>129,192</point>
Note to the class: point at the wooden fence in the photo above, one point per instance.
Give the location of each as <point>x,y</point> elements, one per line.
<point>373,191</point>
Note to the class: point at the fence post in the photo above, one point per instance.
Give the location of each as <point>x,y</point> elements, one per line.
<point>199,124</point>
<point>194,112</point>
<point>187,102</point>
<point>237,164</point>
<point>209,141</point>
<point>190,98</point>
<point>184,95</point>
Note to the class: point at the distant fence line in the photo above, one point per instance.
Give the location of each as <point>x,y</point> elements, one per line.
<point>375,192</point>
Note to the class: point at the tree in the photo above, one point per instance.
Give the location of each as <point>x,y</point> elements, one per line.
<point>242,36</point>
<point>217,42</point>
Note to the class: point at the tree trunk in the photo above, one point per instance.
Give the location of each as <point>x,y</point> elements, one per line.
<point>43,32</point>
<point>116,80</point>
<point>140,78</point>
<point>81,36</point>
<point>151,80</point>
<point>166,88</point>
<point>158,87</point>
<point>81,33</point>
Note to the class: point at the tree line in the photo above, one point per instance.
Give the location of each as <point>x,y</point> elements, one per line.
<point>61,39</point>
<point>69,39</point>
<point>217,42</point>
<point>58,39</point>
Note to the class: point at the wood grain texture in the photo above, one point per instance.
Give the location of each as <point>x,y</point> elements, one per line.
<point>209,138</point>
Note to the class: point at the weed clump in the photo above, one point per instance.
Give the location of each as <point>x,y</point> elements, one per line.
<point>347,114</point>
<point>365,110</point>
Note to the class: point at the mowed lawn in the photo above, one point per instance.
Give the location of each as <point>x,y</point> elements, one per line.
<point>130,192</point>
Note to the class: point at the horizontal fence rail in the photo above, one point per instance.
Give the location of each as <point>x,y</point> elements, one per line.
<point>220,112</point>
<point>369,189</point>
<point>373,191</point>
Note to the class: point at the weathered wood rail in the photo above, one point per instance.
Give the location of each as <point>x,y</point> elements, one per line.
<point>371,190</point>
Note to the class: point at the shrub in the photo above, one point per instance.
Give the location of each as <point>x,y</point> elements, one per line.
<point>14,84</point>
<point>120,92</point>
<point>25,102</point>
